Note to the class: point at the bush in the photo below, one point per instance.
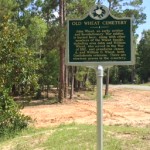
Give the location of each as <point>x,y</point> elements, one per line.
<point>11,120</point>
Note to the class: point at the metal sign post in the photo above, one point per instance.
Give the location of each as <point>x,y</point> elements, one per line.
<point>99,74</point>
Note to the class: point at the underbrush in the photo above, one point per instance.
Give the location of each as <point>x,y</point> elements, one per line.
<point>11,120</point>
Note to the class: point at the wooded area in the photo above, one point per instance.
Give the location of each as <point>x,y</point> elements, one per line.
<point>32,52</point>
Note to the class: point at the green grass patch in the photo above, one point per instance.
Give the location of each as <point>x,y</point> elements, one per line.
<point>86,95</point>
<point>72,137</point>
<point>28,139</point>
<point>146,84</point>
<point>91,95</point>
<point>106,97</point>
<point>130,138</point>
<point>79,137</point>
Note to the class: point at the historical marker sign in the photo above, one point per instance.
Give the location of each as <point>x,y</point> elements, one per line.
<point>100,39</point>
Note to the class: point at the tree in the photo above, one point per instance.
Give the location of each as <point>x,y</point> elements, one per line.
<point>143,57</point>
<point>17,71</point>
<point>49,71</point>
<point>48,7</point>
<point>78,8</point>
<point>62,54</point>
<point>17,61</point>
<point>7,8</point>
<point>37,30</point>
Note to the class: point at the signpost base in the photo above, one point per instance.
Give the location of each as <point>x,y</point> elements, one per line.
<point>99,74</point>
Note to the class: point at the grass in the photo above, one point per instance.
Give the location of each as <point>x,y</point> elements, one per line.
<point>130,138</point>
<point>146,84</point>
<point>72,137</point>
<point>79,136</point>
<point>91,95</point>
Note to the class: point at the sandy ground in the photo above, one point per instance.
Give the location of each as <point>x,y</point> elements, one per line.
<point>125,106</point>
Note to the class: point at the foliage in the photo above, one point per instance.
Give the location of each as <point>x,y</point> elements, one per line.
<point>114,75</point>
<point>11,120</point>
<point>7,8</point>
<point>78,8</point>
<point>36,32</point>
<point>143,57</point>
<point>53,38</point>
<point>17,62</point>
<point>49,70</point>
<point>133,9</point>
<point>47,9</point>
<point>92,76</point>
<point>17,74</point>
<point>87,76</point>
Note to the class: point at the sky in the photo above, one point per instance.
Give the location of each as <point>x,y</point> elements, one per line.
<point>145,26</point>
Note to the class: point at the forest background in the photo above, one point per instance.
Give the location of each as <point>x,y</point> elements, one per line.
<point>32,53</point>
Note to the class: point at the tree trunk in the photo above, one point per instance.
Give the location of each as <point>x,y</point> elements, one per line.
<point>66,67</point>
<point>66,82</point>
<point>107,72</point>
<point>62,71</point>
<point>72,82</point>
<point>75,81</point>
<point>133,74</point>
<point>62,55</point>
<point>47,92</point>
<point>107,82</point>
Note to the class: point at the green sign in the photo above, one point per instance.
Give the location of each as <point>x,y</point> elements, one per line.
<point>99,39</point>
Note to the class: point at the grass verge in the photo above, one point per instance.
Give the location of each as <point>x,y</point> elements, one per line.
<point>79,136</point>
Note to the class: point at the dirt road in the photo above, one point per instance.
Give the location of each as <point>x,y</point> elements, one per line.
<point>124,106</point>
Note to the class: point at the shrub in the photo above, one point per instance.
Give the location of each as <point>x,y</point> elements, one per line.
<point>11,120</point>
